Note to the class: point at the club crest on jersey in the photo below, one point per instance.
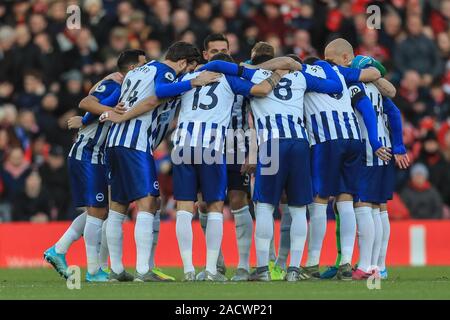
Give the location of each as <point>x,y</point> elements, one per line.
<point>101,88</point>
<point>169,76</point>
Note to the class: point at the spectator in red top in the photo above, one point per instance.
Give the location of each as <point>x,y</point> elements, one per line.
<point>397,208</point>
<point>341,22</point>
<point>270,21</point>
<point>439,18</point>
<point>301,16</point>
<point>20,11</point>
<point>371,47</point>
<point>302,45</point>
<point>420,196</point>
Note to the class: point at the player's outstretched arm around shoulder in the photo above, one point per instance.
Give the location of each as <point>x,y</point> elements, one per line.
<point>278,63</point>
<point>330,85</point>
<point>229,68</point>
<point>142,107</point>
<point>247,71</point>
<point>247,88</point>
<point>94,102</point>
<point>265,87</point>
<point>115,76</point>
<point>395,124</point>
<point>369,75</point>
<point>166,88</point>
<point>386,88</point>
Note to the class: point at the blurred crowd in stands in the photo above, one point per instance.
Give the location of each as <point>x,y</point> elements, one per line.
<point>46,69</point>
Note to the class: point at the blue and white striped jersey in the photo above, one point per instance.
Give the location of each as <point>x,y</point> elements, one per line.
<point>239,113</point>
<point>369,157</point>
<point>138,85</point>
<point>329,116</point>
<point>239,125</point>
<point>205,112</point>
<point>161,124</point>
<point>280,114</point>
<point>91,139</point>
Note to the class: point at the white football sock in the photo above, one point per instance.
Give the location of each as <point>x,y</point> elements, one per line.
<point>385,239</point>
<point>299,231</point>
<point>263,232</point>
<point>243,223</point>
<point>143,236</point>
<point>72,234</point>
<point>378,236</point>
<point>366,236</point>
<point>104,253</point>
<point>156,223</point>
<point>184,236</point>
<point>92,239</point>
<point>347,229</point>
<point>317,230</point>
<point>285,236</point>
<point>203,217</point>
<point>114,236</point>
<point>214,233</point>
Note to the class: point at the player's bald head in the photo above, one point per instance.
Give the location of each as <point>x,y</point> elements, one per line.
<point>339,51</point>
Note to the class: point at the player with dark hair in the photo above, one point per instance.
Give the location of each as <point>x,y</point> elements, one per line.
<point>88,175</point>
<point>130,158</point>
<point>238,174</point>
<point>215,43</point>
<point>202,123</point>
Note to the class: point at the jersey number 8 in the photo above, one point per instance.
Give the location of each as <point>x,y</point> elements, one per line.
<point>283,90</point>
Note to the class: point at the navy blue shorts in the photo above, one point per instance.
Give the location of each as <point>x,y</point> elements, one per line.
<point>293,173</point>
<point>191,178</point>
<point>88,183</point>
<point>336,166</point>
<point>132,174</point>
<point>377,183</point>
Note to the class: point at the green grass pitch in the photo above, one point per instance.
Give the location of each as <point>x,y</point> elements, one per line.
<point>403,283</point>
